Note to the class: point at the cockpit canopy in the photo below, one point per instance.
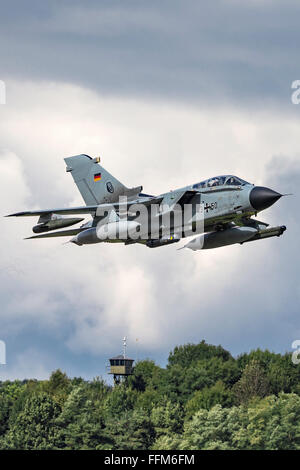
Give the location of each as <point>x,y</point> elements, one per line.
<point>226,180</point>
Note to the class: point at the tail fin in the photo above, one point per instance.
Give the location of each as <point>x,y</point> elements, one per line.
<point>96,185</point>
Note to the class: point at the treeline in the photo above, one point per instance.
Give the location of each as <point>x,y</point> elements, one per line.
<point>203,399</point>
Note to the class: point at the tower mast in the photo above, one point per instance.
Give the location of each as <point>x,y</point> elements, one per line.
<point>124,347</point>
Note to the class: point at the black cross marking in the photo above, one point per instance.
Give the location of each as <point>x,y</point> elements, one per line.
<point>208,206</point>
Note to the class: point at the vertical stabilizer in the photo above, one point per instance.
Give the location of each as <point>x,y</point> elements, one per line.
<point>96,185</point>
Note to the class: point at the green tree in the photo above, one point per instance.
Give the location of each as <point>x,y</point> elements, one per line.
<point>142,375</point>
<point>147,400</point>
<point>283,375</point>
<point>167,419</point>
<point>5,408</point>
<point>81,421</point>
<point>58,386</point>
<point>209,397</point>
<point>167,442</point>
<point>182,382</point>
<point>34,427</point>
<point>120,400</point>
<point>9,395</point>
<point>131,430</point>
<point>190,353</point>
<point>210,430</point>
<point>271,423</point>
<point>274,423</point>
<point>253,383</point>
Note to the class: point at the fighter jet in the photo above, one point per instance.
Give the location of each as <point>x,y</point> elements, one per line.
<point>219,210</point>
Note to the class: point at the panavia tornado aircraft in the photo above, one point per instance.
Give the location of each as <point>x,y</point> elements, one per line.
<point>219,210</point>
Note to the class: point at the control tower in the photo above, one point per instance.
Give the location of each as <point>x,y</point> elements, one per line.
<point>121,366</point>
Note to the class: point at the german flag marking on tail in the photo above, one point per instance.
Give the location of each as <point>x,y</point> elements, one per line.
<point>97,177</point>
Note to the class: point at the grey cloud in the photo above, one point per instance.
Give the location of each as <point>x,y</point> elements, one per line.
<point>74,304</point>
<point>237,51</point>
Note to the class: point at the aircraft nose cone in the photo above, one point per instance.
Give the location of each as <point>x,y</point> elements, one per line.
<point>261,198</point>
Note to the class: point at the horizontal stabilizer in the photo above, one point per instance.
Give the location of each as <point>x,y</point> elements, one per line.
<point>133,192</point>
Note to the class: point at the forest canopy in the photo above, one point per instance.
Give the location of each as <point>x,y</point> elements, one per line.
<point>203,399</point>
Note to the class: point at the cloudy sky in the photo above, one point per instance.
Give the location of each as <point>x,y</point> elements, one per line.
<point>168,93</point>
